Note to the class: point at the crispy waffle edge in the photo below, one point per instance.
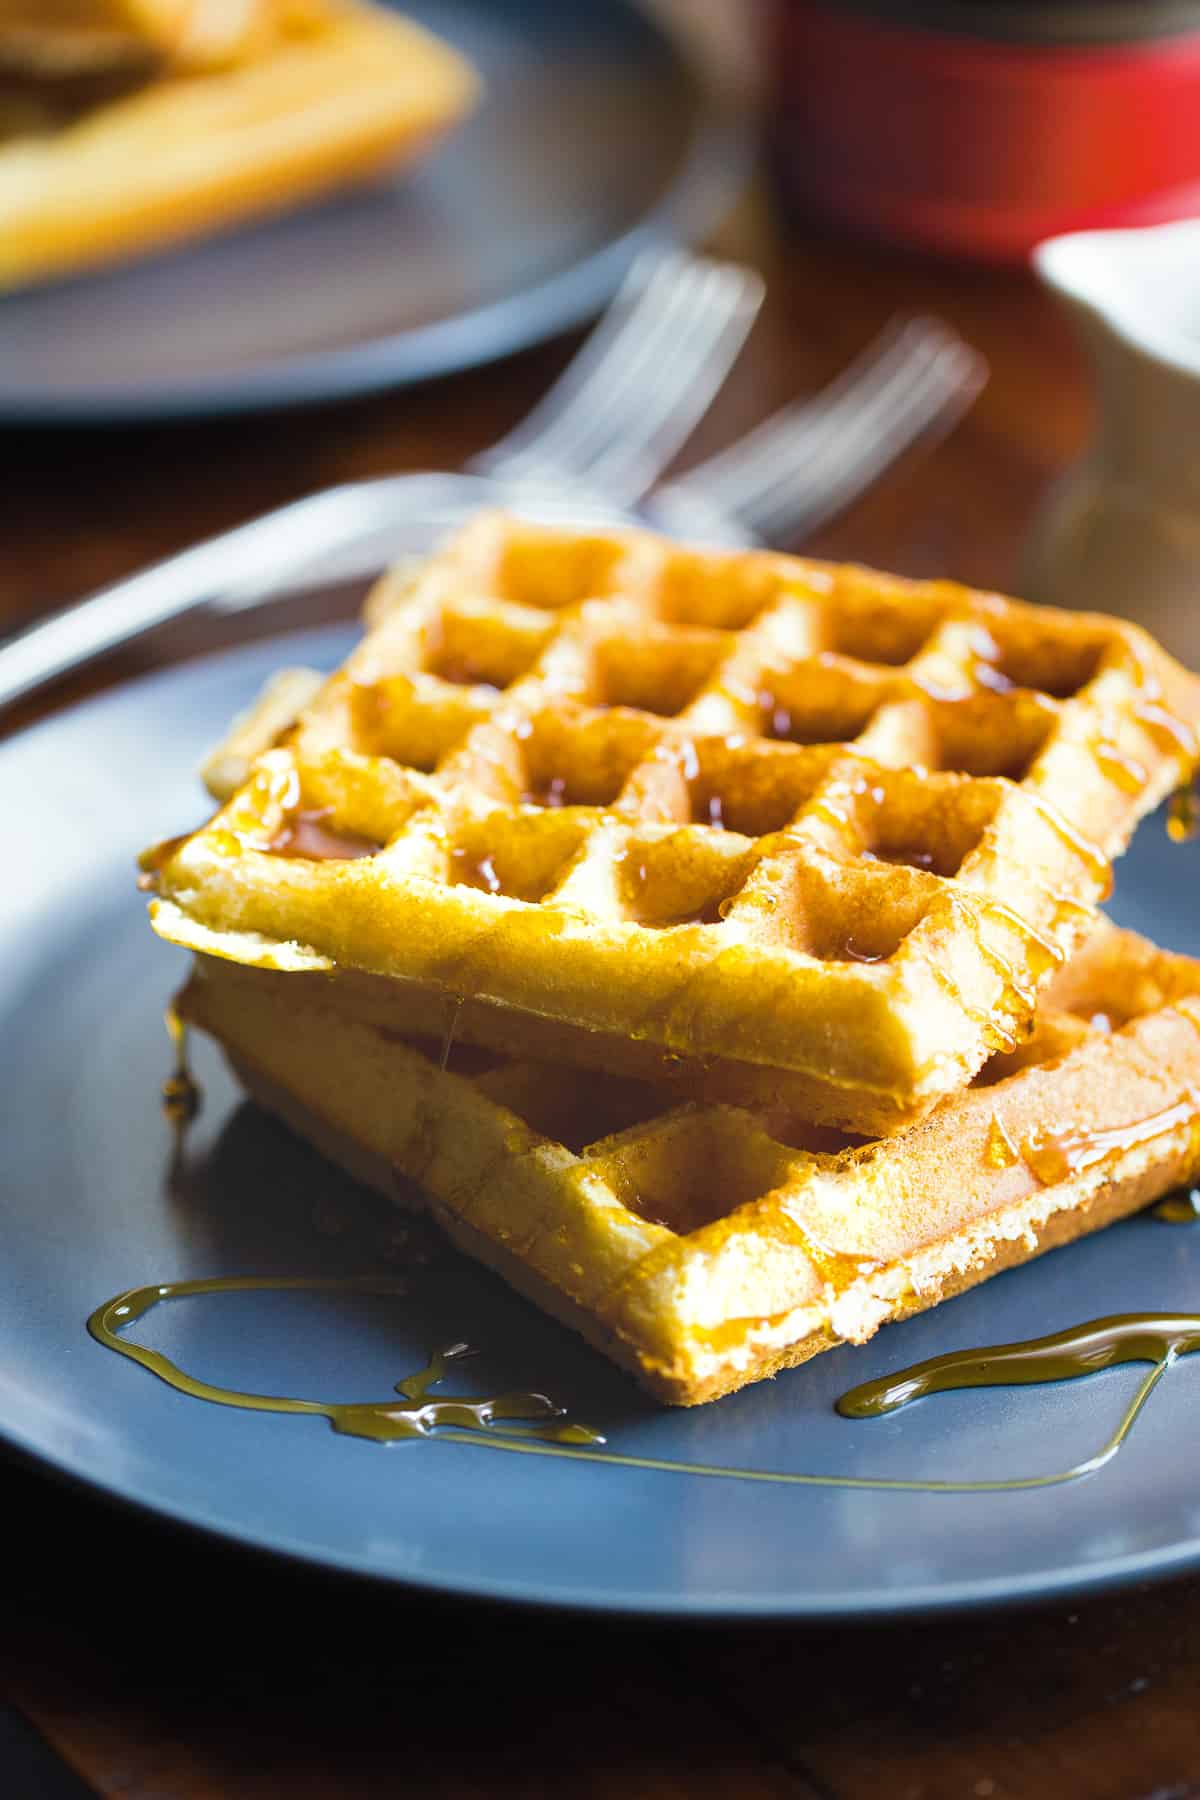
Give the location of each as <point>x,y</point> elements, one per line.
<point>940,1212</point>
<point>869,1041</point>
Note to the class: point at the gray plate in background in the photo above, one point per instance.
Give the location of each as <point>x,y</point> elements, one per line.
<point>592,138</point>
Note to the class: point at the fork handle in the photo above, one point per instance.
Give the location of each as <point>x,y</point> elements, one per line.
<point>277,543</point>
<point>341,534</point>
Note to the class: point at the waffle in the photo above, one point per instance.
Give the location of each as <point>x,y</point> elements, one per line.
<point>59,38</point>
<point>775,832</point>
<point>65,39</point>
<point>703,1247</point>
<point>249,107</point>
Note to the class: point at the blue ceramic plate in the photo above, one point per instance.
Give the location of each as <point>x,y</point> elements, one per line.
<point>592,138</point>
<point>92,1206</point>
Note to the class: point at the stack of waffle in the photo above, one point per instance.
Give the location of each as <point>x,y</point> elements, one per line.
<point>710,941</point>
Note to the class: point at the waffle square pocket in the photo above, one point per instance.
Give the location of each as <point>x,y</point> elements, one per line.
<point>774,833</point>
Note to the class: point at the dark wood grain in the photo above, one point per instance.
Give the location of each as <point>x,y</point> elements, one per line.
<point>164,1667</point>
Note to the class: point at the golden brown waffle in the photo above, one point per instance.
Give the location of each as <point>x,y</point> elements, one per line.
<point>706,1246</point>
<point>56,38</point>
<point>779,832</point>
<point>252,106</point>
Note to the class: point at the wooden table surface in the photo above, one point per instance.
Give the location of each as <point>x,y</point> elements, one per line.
<point>164,1667</point>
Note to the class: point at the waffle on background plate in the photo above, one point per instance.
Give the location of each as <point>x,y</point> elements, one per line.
<point>691,928</point>
<point>127,125</point>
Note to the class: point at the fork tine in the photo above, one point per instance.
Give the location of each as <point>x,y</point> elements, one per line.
<point>812,458</point>
<point>635,303</point>
<point>934,401</point>
<point>744,465</point>
<point>855,463</point>
<point>587,422</point>
<point>637,388</point>
<point>662,397</point>
<point>822,432</point>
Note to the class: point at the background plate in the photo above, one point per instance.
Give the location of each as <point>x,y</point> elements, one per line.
<point>91,1207</point>
<point>592,138</point>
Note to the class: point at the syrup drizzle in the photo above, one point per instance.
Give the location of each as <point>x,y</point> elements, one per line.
<point>1066,903</point>
<point>153,861</point>
<point>1174,732</point>
<point>1182,1208</point>
<point>382,1421</point>
<point>1156,1338</point>
<point>1037,945</point>
<point>1090,854</point>
<point>1123,771</point>
<point>987,675</point>
<point>854,954</point>
<point>181,1093</point>
<point>913,858</point>
<point>470,870</point>
<point>1055,1156</point>
<point>305,833</point>
<point>1053,952</point>
<point>526,1423</point>
<point>1183,815</point>
<point>830,813</point>
<point>999,1150</point>
<point>995,1035</point>
<point>1020,990</point>
<point>550,794</point>
<point>1156,718</point>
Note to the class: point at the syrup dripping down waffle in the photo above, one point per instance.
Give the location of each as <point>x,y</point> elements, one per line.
<point>703,1246</point>
<point>779,832</point>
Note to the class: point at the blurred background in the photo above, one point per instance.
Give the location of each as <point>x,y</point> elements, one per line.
<point>256,248</point>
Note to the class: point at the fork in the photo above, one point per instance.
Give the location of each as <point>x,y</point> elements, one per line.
<point>635,392</point>
<point>614,419</point>
<point>810,460</point>
<point>805,463</point>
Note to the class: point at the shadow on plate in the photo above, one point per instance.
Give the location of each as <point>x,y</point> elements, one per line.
<point>259,1201</point>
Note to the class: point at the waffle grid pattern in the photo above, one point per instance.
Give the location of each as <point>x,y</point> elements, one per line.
<point>706,1246</point>
<point>873,816</point>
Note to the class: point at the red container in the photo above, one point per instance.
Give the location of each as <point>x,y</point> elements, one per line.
<point>982,141</point>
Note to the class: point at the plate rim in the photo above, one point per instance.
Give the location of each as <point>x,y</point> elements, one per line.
<point>992,1593</point>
